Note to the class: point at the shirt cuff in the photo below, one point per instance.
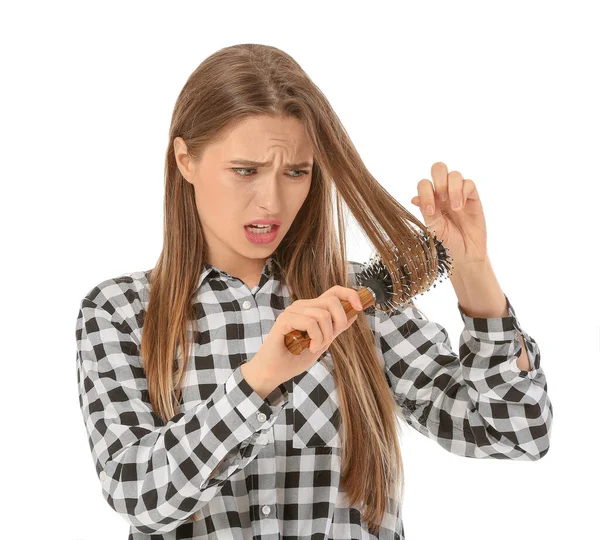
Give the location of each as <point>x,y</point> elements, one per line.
<point>502,330</point>
<point>493,328</point>
<point>252,408</point>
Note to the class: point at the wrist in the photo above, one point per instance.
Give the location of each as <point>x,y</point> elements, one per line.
<point>259,377</point>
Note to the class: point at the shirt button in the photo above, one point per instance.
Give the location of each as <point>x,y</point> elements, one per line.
<point>247,304</point>
<point>102,476</point>
<point>261,417</point>
<point>266,510</point>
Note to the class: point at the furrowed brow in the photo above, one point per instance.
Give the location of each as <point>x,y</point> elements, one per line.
<point>248,163</point>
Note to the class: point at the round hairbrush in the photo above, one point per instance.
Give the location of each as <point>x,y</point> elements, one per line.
<point>377,287</point>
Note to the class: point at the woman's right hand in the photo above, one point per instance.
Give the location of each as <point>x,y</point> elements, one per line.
<point>323,318</point>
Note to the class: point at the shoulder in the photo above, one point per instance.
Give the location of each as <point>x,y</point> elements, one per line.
<point>123,296</point>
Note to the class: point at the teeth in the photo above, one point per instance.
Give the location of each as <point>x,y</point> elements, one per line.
<point>260,229</point>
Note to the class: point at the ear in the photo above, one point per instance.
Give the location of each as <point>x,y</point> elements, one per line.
<point>184,163</point>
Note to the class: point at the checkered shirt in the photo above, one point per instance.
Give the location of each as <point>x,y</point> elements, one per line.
<point>253,468</point>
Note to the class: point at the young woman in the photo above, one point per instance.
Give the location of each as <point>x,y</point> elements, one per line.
<point>202,425</point>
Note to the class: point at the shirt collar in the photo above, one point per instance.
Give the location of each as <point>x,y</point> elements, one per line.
<point>271,265</point>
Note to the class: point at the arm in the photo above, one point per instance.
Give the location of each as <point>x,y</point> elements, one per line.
<point>480,296</point>
<point>156,474</point>
<point>481,405</point>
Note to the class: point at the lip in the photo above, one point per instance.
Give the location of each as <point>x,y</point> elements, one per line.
<point>264,238</point>
<point>264,221</point>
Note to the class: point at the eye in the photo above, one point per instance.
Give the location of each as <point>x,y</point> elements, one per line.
<point>301,173</point>
<point>236,170</point>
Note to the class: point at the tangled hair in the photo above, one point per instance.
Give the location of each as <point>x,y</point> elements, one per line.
<point>233,84</point>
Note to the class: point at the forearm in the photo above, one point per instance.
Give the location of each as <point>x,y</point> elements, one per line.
<point>480,295</point>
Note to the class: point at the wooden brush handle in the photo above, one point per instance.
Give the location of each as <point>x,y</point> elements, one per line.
<point>298,340</point>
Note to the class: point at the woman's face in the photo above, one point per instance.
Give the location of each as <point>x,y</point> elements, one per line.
<point>232,192</point>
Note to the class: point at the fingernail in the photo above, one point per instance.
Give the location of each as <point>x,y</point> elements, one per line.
<point>455,204</point>
<point>429,210</point>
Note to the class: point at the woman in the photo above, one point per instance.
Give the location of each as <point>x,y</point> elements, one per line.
<point>238,438</point>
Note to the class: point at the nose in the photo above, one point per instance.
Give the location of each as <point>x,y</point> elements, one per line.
<point>268,194</point>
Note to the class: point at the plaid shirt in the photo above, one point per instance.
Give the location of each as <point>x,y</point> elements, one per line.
<point>270,468</point>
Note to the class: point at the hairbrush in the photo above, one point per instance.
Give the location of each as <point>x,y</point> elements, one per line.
<point>384,288</point>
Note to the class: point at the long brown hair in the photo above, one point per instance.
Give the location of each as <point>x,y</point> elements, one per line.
<point>252,79</point>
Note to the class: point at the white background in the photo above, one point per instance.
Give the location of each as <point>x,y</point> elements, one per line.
<point>506,93</point>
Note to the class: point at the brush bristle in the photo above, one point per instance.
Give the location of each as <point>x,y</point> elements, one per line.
<point>378,277</point>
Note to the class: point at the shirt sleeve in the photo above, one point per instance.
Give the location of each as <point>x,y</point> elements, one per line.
<point>479,404</point>
<point>156,474</point>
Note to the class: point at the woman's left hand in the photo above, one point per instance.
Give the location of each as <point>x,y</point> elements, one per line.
<point>462,231</point>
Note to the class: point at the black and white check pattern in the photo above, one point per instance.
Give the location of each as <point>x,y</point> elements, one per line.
<point>270,469</point>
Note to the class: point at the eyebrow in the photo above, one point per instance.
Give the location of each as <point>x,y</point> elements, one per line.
<point>248,163</point>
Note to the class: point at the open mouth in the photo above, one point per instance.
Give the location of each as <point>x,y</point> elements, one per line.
<point>260,229</point>
<point>261,235</point>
